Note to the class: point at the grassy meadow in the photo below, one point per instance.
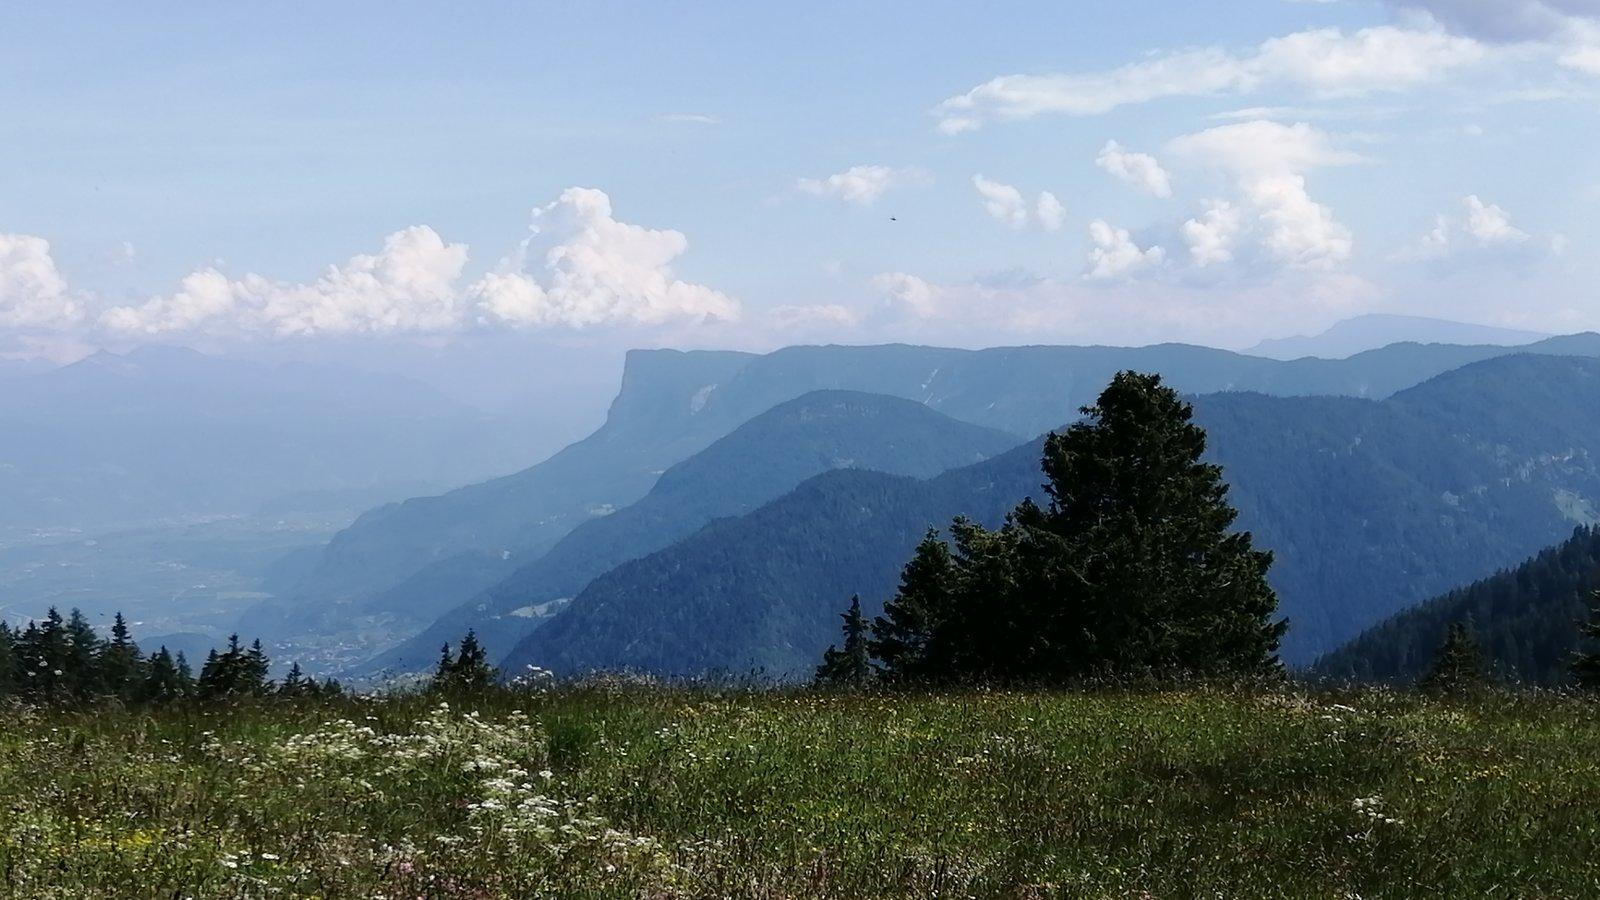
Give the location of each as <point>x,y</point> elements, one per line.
<point>628,791</point>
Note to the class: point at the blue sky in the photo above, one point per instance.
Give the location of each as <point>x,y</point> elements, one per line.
<point>746,175</point>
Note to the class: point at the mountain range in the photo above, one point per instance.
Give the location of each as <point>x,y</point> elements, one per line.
<point>1369,332</point>
<point>673,404</point>
<point>1370,506</point>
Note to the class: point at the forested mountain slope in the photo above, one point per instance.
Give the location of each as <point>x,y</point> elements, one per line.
<point>1526,619</point>
<point>1370,507</point>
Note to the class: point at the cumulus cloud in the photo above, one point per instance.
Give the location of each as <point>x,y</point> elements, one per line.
<point>33,295</point>
<point>1324,62</point>
<point>1141,170</point>
<point>579,266</point>
<point>1114,254</point>
<point>409,285</point>
<point>1267,162</point>
<point>787,319</point>
<point>860,185</point>
<point>908,294</point>
<point>1049,211</point>
<point>1005,203</point>
<point>1481,231</point>
<point>1211,236</point>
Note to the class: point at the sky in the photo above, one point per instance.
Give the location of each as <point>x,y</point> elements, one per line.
<point>427,184</point>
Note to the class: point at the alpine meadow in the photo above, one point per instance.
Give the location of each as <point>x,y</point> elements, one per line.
<point>628,451</point>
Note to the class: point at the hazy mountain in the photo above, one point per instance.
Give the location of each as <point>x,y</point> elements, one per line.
<point>1370,332</point>
<point>759,460</point>
<point>673,404</point>
<point>1526,619</point>
<point>164,433</point>
<point>1370,507</point>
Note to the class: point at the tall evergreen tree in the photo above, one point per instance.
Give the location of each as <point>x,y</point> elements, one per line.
<point>1133,565</point>
<point>83,676</point>
<point>469,669</point>
<point>1458,664</point>
<point>163,683</point>
<point>850,666</point>
<point>1586,667</point>
<point>122,667</point>
<point>296,684</point>
<point>919,609</point>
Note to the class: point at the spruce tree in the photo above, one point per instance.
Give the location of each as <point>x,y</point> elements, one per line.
<point>850,666</point>
<point>295,684</point>
<point>1586,667</point>
<point>901,637</point>
<point>1133,566</point>
<point>121,665</point>
<point>163,682</point>
<point>1458,665</point>
<point>468,670</point>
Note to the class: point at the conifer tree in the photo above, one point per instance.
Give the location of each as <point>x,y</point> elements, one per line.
<point>296,684</point>
<point>121,665</point>
<point>163,682</point>
<point>901,637</point>
<point>1458,665</point>
<point>1133,565</point>
<point>850,666</point>
<point>1586,667</point>
<point>469,669</point>
<point>83,653</point>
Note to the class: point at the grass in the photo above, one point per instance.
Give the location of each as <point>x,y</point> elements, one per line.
<point>664,793</point>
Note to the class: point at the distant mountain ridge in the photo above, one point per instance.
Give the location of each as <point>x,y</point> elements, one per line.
<point>673,404</point>
<point>760,460</point>
<point>1369,332</point>
<point>1370,506</point>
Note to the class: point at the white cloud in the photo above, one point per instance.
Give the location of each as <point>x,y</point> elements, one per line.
<point>1049,211</point>
<point>860,185</point>
<point>1002,202</point>
<point>1482,228</point>
<point>908,294</point>
<point>407,286</point>
<point>1267,161</point>
<point>1005,203</point>
<point>1114,253</point>
<point>33,295</point>
<point>1324,62</point>
<point>1140,170</point>
<point>1211,236</point>
<point>582,267</point>
<point>578,267</point>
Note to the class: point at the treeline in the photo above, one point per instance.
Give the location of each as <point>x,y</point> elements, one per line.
<point>1130,569</point>
<point>64,661</point>
<point>1525,622</point>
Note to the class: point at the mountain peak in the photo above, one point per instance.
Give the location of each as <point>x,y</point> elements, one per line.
<point>1373,330</point>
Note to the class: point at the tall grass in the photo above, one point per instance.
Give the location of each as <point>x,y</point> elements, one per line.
<point>657,792</point>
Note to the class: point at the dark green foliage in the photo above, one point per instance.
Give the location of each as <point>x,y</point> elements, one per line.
<point>1458,665</point>
<point>1586,664</point>
<point>850,666</point>
<point>1132,568</point>
<point>923,604</point>
<point>467,670</point>
<point>1526,619</point>
<point>122,667</point>
<point>235,672</point>
<point>166,679</point>
<point>62,661</point>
